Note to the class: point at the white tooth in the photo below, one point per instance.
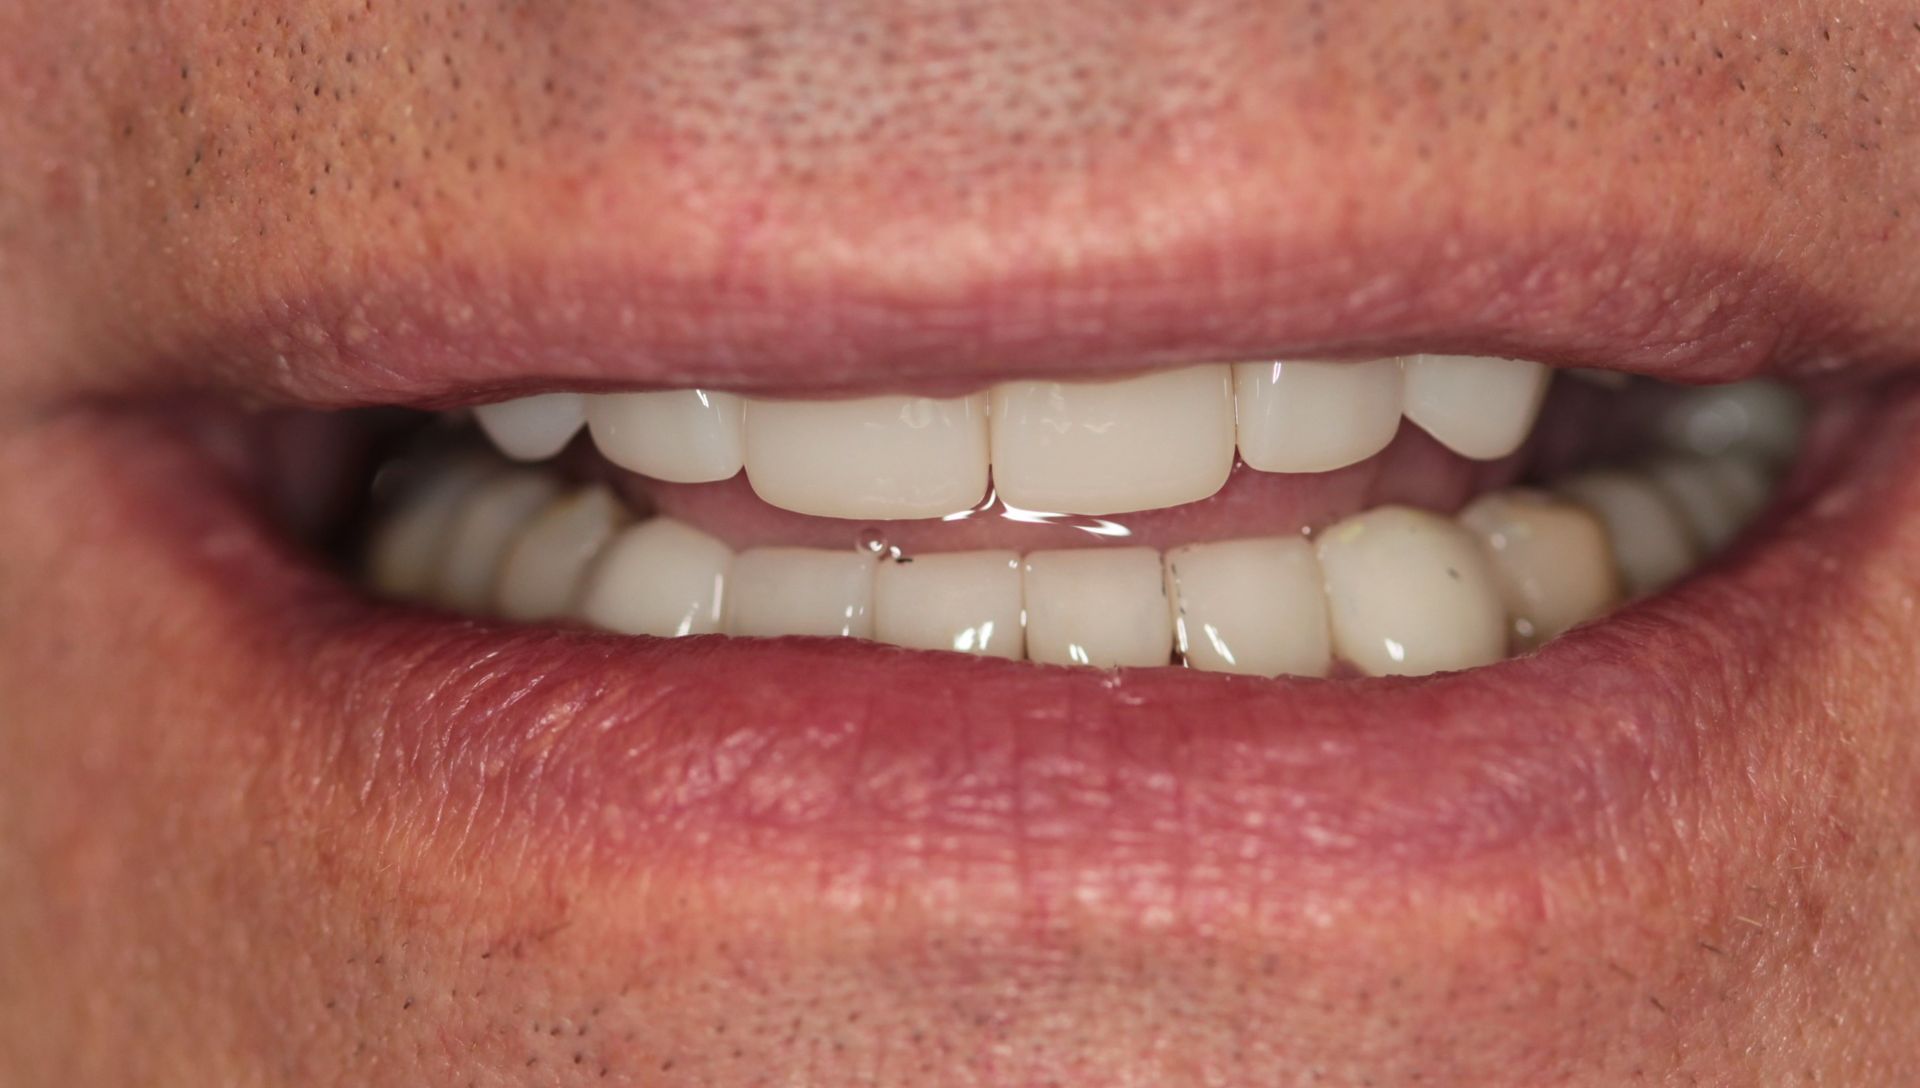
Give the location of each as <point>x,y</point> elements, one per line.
<point>871,459</point>
<point>660,577</point>
<point>404,553</point>
<point>489,520</point>
<point>1550,558</point>
<point>964,601</point>
<point>1410,593</point>
<point>1699,490</point>
<point>1315,417</point>
<point>1478,407</point>
<point>542,571</point>
<point>1652,544</point>
<point>1746,482</point>
<point>1254,607</point>
<point>533,428</point>
<point>1105,607</point>
<point>1112,447</point>
<point>801,591</point>
<point>684,436</point>
<point>1759,418</point>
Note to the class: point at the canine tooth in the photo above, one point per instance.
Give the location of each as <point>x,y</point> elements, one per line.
<point>542,571</point>
<point>404,553</point>
<point>1410,593</point>
<point>683,436</point>
<point>1254,607</point>
<point>874,458</point>
<point>801,591</point>
<point>660,577</point>
<point>1112,447</point>
<point>1104,607</point>
<point>1550,560</point>
<point>533,428</point>
<point>1758,418</point>
<point>964,601</point>
<point>1652,544</point>
<point>1314,416</point>
<point>1476,406</point>
<point>1712,510</point>
<point>489,520</point>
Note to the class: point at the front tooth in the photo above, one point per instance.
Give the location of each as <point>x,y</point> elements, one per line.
<point>533,428</point>
<point>489,520</point>
<point>1315,417</point>
<point>1550,559</point>
<point>1254,607</point>
<point>661,577</point>
<point>1652,544</point>
<point>543,568</point>
<point>1105,607</point>
<point>964,601</point>
<point>684,436</point>
<point>1478,407</point>
<point>1112,447</point>
<point>1759,419</point>
<point>801,591</point>
<point>404,553</point>
<point>1409,593</point>
<point>1713,508</point>
<point>875,458</point>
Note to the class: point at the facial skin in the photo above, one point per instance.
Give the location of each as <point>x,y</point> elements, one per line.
<point>201,884</point>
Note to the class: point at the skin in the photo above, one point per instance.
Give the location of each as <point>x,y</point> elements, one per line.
<point>193,892</point>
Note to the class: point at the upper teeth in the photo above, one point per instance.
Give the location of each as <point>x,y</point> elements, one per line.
<point>1095,448</point>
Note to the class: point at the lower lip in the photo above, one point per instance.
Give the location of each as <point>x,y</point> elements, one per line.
<point>866,767</point>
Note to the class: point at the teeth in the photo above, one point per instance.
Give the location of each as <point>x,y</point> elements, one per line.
<point>405,552</point>
<point>488,521</point>
<point>1651,542</point>
<point>533,428</point>
<point>1409,593</point>
<point>1104,607</point>
<point>801,591</point>
<point>543,568</point>
<point>878,458</point>
<point>661,577</point>
<point>1112,447</point>
<point>687,436</point>
<point>1478,407</point>
<point>1254,607</point>
<point>1550,559</point>
<point>965,601</point>
<point>1315,417</point>
<point>1759,419</point>
<point>1708,495</point>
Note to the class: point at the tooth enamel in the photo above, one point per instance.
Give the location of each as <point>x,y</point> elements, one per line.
<point>404,553</point>
<point>1113,447</point>
<point>1104,607</point>
<point>542,571</point>
<point>1700,491</point>
<point>489,520</point>
<point>661,577</point>
<point>801,591</point>
<point>1652,544</point>
<point>875,458</point>
<point>1410,593</point>
<point>1254,607</point>
<point>1550,560</point>
<point>1758,418</point>
<point>964,601</point>
<point>1315,417</point>
<point>685,436</point>
<point>532,428</point>
<point>1744,482</point>
<point>1478,407</point>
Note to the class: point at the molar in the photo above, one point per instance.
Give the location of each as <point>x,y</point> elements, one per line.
<point>1550,560</point>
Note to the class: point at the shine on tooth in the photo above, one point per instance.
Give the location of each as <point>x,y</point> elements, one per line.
<point>532,428</point>
<point>871,458</point>
<point>1479,407</point>
<point>1762,419</point>
<point>801,591</point>
<point>488,522</point>
<point>1100,448</point>
<point>1410,593</point>
<point>1653,546</point>
<point>1550,558</point>
<point>1104,607</point>
<point>682,436</point>
<point>970,602</point>
<point>1254,607</point>
<point>1315,416</point>
<point>542,572</point>
<point>661,577</point>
